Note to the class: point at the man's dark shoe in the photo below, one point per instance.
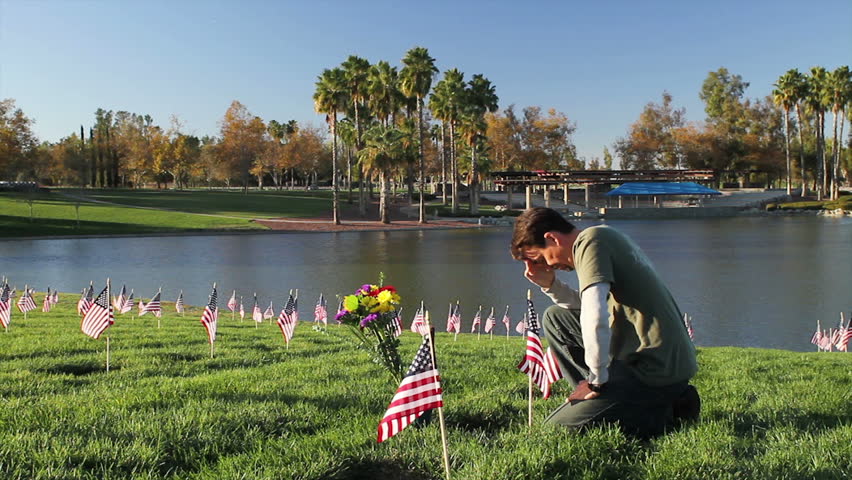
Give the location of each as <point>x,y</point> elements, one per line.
<point>687,407</point>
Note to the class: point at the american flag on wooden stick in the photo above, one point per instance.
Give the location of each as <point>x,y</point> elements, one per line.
<point>506,320</point>
<point>54,299</point>
<point>232,302</point>
<point>256,314</point>
<point>817,335</point>
<point>99,316</point>
<point>321,311</point>
<point>521,327</point>
<point>129,303</point>
<point>5,305</point>
<point>269,312</point>
<point>287,319</point>
<point>533,362</point>
<point>179,303</point>
<point>490,322</point>
<point>45,305</point>
<point>419,391</point>
<point>476,320</point>
<point>242,310</point>
<point>26,302</point>
<point>395,325</point>
<point>210,317</point>
<point>454,318</point>
<point>552,370</point>
<point>118,301</point>
<point>152,306</point>
<point>418,324</point>
<point>85,301</point>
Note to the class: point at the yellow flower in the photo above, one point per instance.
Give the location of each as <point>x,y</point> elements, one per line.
<point>350,303</point>
<point>385,296</point>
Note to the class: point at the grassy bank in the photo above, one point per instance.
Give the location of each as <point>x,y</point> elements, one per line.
<point>55,213</point>
<point>843,202</point>
<point>260,411</point>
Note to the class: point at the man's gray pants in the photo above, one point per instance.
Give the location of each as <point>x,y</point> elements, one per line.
<point>641,410</point>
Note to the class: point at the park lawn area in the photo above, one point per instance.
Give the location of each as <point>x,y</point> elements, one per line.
<point>258,410</point>
<point>254,204</point>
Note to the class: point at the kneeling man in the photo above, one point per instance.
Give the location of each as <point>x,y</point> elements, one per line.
<point>620,339</point>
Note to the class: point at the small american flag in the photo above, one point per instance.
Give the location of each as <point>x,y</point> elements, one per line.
<point>507,322</point>
<point>452,324</point>
<point>688,323</point>
<point>843,343</point>
<point>45,306</point>
<point>179,303</point>
<point>85,301</point>
<point>418,324</point>
<point>26,302</point>
<point>152,306</point>
<point>256,314</point>
<point>129,303</point>
<point>269,312</point>
<point>521,327</point>
<point>210,317</point>
<point>55,298</point>
<point>232,302</point>
<point>5,306</point>
<point>419,391</point>
<point>552,370</point>
<point>476,320</point>
<point>533,362</point>
<point>490,322</point>
<point>118,302</point>
<point>287,319</point>
<point>817,335</point>
<point>242,310</point>
<point>395,325</point>
<point>99,316</point>
<point>320,311</point>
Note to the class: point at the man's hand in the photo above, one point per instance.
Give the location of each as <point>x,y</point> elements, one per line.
<point>539,274</point>
<point>582,392</point>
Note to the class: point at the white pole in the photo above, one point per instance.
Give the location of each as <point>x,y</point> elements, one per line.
<point>107,353</point>
<point>530,389</point>
<point>440,409</point>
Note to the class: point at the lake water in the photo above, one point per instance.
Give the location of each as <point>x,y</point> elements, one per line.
<point>760,282</point>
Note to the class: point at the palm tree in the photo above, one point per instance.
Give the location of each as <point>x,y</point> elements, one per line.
<point>839,82</point>
<point>416,81</point>
<point>817,87</point>
<point>784,95</point>
<point>800,87</point>
<point>446,105</point>
<point>381,152</point>
<point>356,71</point>
<point>480,97</point>
<point>346,132</point>
<point>331,97</point>
<point>383,92</point>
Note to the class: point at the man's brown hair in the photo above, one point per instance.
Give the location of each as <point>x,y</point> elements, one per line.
<point>531,226</point>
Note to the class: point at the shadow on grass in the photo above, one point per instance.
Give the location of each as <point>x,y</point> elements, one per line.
<point>747,424</point>
<point>78,369</point>
<point>490,421</point>
<point>370,469</point>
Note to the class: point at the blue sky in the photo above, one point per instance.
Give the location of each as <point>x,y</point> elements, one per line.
<point>599,64</point>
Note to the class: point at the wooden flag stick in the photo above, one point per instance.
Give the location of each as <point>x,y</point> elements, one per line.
<point>440,409</point>
<point>510,322</point>
<point>479,327</point>
<point>107,352</point>
<point>530,390</point>
<point>458,327</point>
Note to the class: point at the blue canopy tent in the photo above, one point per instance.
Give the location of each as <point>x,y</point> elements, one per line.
<point>661,188</point>
<point>655,189</point>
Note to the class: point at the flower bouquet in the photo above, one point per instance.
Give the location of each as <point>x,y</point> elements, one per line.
<point>370,313</point>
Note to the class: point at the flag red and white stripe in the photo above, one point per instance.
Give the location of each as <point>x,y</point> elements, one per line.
<point>256,314</point>
<point>418,324</point>
<point>490,322</point>
<point>129,303</point>
<point>507,322</point>
<point>552,370</point>
<point>118,301</point>
<point>269,312</point>
<point>26,302</point>
<point>5,306</point>
<point>476,320</point>
<point>232,302</point>
<point>210,317</point>
<point>179,303</point>
<point>85,301</point>
<point>99,316</point>
<point>242,309</point>
<point>454,318</point>
<point>54,299</point>
<point>153,306</point>
<point>419,391</point>
<point>533,361</point>
<point>45,305</point>
<point>321,311</point>
<point>395,325</point>
<point>287,319</point>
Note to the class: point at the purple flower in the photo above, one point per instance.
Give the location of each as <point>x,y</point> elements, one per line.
<point>369,318</point>
<point>341,314</point>
<point>364,290</point>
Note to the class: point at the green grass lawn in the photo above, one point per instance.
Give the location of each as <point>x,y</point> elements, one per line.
<point>166,410</point>
<point>54,213</point>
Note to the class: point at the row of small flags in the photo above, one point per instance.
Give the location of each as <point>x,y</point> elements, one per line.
<point>834,338</point>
